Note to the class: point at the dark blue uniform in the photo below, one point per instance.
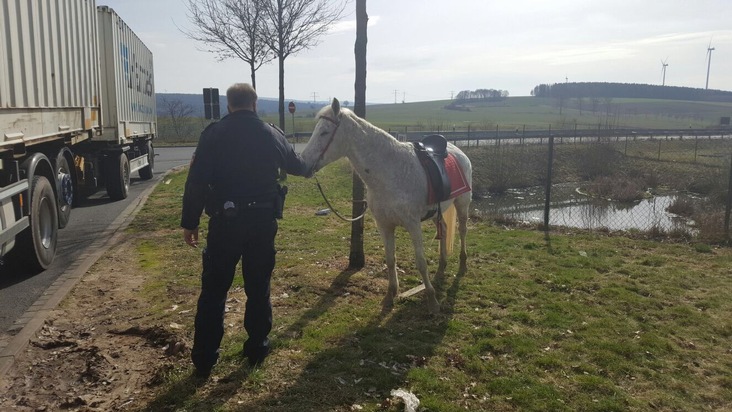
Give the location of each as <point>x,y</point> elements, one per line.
<point>234,176</point>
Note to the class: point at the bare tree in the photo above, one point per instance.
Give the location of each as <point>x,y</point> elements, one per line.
<point>291,26</point>
<point>595,102</point>
<point>179,114</point>
<point>580,103</point>
<point>230,29</point>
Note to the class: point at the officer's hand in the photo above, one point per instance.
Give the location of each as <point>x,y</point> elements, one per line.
<point>191,237</point>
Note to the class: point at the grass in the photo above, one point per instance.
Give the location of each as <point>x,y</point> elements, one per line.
<point>515,113</point>
<point>566,322</point>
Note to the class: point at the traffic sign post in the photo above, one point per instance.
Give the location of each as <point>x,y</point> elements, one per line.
<point>291,108</point>
<point>211,103</point>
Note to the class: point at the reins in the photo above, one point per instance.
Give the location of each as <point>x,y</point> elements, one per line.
<point>335,211</point>
<point>320,188</point>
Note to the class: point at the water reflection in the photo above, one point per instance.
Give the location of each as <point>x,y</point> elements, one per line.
<point>571,208</point>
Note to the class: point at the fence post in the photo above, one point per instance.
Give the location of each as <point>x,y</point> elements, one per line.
<point>523,134</point>
<point>696,142</point>
<point>729,203</point>
<point>659,149</point>
<point>549,180</point>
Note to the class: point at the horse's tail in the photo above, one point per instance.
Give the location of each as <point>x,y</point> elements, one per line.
<point>449,216</point>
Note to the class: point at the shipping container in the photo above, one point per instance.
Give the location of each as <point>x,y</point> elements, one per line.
<point>127,76</point>
<point>77,112</point>
<point>49,70</point>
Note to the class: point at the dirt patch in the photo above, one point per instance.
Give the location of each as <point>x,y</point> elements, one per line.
<point>97,352</point>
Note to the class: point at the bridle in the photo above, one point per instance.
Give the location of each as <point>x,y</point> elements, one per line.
<point>337,123</point>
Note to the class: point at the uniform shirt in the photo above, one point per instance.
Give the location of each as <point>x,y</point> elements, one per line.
<point>240,157</point>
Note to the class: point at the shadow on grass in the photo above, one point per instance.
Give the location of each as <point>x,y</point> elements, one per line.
<point>366,363</point>
<point>363,366</point>
<point>180,395</point>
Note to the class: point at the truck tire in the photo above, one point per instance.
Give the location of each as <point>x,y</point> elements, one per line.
<point>37,244</point>
<point>146,173</point>
<point>65,189</point>
<point>117,176</point>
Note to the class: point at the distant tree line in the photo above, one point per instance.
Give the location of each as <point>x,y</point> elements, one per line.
<point>628,90</point>
<point>490,95</point>
<point>476,96</point>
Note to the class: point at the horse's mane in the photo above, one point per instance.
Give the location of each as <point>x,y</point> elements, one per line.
<point>376,135</point>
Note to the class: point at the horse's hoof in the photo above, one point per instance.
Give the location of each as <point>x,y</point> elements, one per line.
<point>439,276</point>
<point>463,269</point>
<point>434,308</point>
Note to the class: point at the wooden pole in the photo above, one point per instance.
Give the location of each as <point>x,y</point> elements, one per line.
<point>356,259</point>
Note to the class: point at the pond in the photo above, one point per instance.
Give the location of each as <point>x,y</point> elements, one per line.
<point>571,208</point>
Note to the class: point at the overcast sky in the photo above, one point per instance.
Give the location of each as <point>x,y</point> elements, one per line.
<point>422,50</point>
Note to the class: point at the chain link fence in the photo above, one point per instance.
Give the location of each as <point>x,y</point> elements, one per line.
<point>665,184</point>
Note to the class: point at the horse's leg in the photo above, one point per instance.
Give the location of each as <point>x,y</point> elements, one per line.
<point>415,231</point>
<point>462,206</point>
<point>442,228</point>
<point>387,236</point>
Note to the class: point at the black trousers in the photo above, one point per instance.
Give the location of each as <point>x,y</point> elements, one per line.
<point>249,237</point>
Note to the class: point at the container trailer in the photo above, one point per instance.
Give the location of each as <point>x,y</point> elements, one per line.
<point>77,113</point>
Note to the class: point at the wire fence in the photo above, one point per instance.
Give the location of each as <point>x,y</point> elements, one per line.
<point>663,184</point>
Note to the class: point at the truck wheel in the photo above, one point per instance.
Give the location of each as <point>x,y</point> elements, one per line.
<point>146,173</point>
<point>65,188</point>
<point>38,242</point>
<point>117,176</point>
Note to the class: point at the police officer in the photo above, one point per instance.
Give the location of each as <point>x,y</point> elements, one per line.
<point>234,177</point>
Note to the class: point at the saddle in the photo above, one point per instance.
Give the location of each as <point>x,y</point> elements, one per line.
<point>432,152</point>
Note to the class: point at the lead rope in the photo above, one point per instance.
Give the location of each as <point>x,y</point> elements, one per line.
<point>335,211</point>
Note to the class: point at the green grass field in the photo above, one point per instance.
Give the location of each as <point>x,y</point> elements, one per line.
<point>565,322</point>
<point>539,113</point>
<point>517,113</point>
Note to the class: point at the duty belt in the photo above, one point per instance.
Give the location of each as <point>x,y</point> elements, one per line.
<point>249,205</point>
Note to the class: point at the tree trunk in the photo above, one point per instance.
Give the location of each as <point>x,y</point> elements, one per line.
<point>356,258</point>
<point>254,76</point>
<point>281,60</point>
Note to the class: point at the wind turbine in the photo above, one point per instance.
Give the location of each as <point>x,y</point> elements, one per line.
<point>663,68</point>
<point>709,62</point>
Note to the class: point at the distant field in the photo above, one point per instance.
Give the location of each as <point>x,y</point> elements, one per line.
<point>537,113</point>
<point>517,113</point>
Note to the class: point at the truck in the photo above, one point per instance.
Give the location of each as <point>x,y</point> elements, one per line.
<point>77,114</point>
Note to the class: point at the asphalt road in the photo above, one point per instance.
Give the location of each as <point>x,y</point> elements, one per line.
<point>20,288</point>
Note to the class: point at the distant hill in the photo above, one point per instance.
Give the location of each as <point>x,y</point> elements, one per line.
<point>629,90</point>
<point>265,106</point>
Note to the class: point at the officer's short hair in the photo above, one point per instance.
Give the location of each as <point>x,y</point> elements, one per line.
<point>241,95</point>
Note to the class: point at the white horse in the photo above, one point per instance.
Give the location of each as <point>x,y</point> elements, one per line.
<point>396,183</point>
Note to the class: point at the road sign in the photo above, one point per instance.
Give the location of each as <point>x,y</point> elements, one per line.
<point>211,103</point>
<point>291,107</point>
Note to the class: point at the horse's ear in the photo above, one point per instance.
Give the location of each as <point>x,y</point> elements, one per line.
<point>336,106</point>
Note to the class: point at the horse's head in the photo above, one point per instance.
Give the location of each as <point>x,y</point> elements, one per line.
<point>324,146</point>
